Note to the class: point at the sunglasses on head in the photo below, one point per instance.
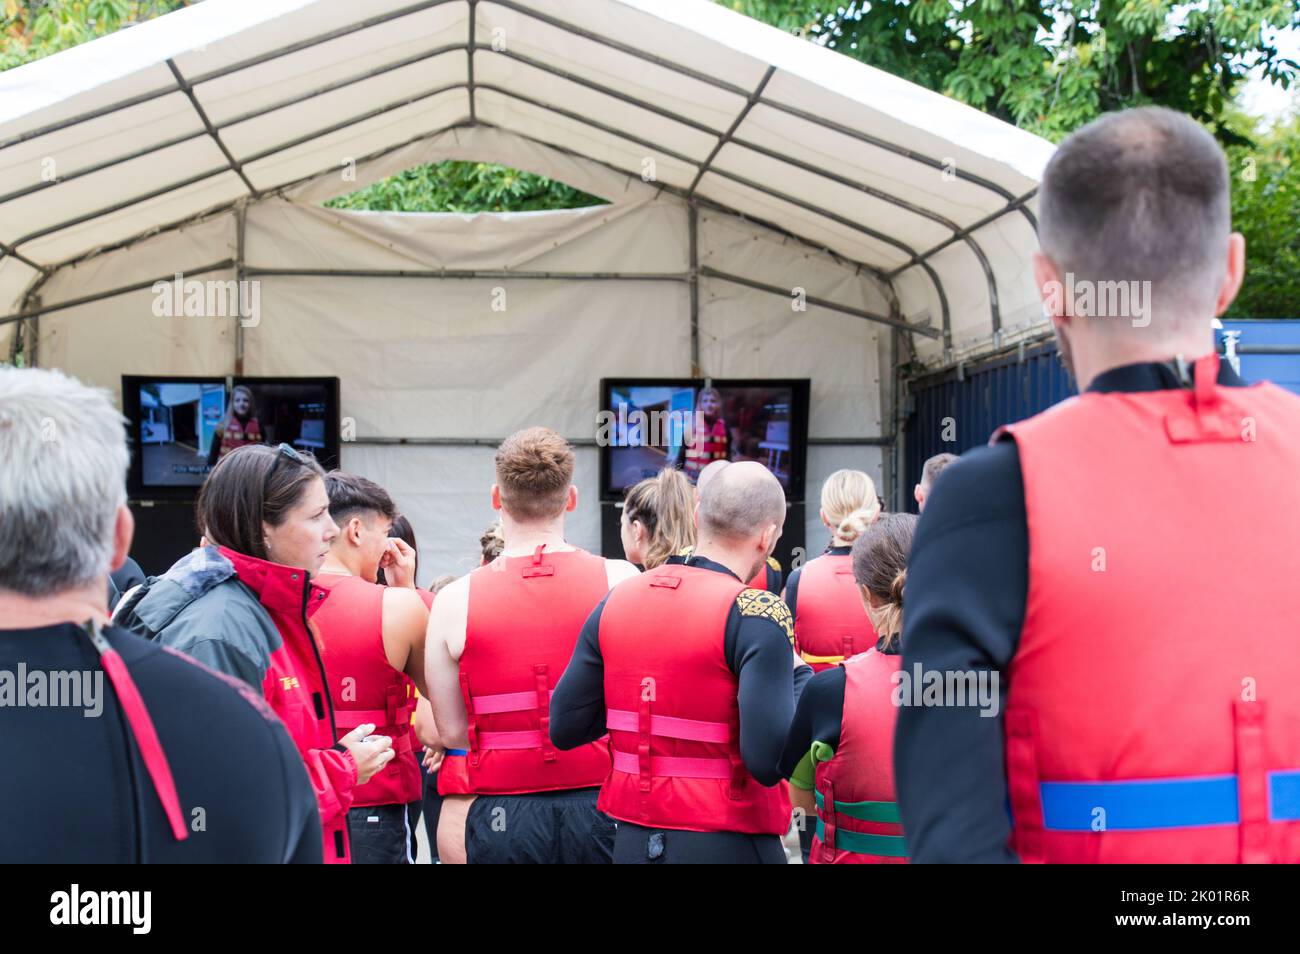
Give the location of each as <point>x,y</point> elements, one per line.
<point>284,451</point>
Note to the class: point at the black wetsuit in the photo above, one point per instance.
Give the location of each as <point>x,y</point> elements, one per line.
<point>757,649</point>
<point>967,582</point>
<point>75,790</point>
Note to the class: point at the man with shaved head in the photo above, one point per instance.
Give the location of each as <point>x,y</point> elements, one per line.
<point>766,577</point>
<point>691,673</point>
<point>1075,566</point>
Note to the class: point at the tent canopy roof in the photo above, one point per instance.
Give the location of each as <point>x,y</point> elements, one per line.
<point>237,100</point>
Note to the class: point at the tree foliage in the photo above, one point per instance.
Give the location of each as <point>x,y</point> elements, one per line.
<point>1050,66</point>
<point>31,29</point>
<point>464,187</point>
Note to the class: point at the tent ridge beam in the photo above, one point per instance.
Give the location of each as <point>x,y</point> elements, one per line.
<point>235,166</point>
<point>223,71</point>
<point>463,273</point>
<point>111,292</point>
<point>235,120</point>
<point>965,232</point>
<point>470,47</point>
<point>899,323</point>
<point>726,137</point>
<point>732,88</point>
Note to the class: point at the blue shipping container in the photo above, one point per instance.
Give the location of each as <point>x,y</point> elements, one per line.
<point>952,411</point>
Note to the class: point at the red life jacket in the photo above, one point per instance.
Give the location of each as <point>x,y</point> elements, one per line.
<point>525,614</point>
<point>673,717</point>
<point>453,775</point>
<point>709,443</point>
<point>830,622</point>
<point>238,435</point>
<point>857,811</point>
<point>364,686</point>
<point>1152,713</point>
<point>295,688</point>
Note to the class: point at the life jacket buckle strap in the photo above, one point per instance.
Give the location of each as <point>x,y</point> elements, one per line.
<point>1252,782</point>
<point>541,675</point>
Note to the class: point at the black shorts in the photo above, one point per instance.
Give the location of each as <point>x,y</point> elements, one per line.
<point>544,828</point>
<point>636,845</point>
<point>380,835</point>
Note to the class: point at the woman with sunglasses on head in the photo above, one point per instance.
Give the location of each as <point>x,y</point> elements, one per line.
<point>241,605</point>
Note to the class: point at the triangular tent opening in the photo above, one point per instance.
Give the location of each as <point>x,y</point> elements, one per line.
<point>464,187</point>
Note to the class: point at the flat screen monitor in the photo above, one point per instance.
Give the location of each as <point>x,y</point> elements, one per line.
<point>647,424</point>
<point>180,427</point>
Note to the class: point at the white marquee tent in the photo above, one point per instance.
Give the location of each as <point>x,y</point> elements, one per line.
<point>739,165</point>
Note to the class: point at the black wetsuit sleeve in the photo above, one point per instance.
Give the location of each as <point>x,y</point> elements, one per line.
<point>578,705</point>
<point>818,717</point>
<point>303,842</point>
<point>967,580</point>
<point>792,590</point>
<point>758,651</point>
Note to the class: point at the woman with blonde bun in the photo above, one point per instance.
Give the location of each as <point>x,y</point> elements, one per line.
<point>839,754</point>
<point>830,623</point>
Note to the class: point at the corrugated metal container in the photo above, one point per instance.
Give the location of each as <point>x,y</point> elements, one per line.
<point>956,410</point>
<point>1267,349</point>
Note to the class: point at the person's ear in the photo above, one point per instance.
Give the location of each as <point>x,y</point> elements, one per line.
<point>917,495</point>
<point>123,533</point>
<point>826,523</point>
<point>572,502</point>
<point>1235,273</point>
<point>869,602</point>
<point>1052,289</point>
<point>496,496</point>
<point>352,532</point>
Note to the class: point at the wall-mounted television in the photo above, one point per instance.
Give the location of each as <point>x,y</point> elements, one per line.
<point>180,427</point>
<point>647,424</point>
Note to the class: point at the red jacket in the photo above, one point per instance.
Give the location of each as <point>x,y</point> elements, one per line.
<point>364,687</point>
<point>673,715</point>
<point>525,614</point>
<point>295,687</point>
<point>1152,711</point>
<point>857,810</point>
<point>830,622</point>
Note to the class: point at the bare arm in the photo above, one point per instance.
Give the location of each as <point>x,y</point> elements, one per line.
<point>443,645</point>
<point>406,622</point>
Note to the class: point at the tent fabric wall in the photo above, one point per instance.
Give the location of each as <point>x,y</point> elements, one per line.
<point>204,142</point>
<point>429,358</point>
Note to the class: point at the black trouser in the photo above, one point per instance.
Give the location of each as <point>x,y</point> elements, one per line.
<point>430,810</point>
<point>556,828</point>
<point>636,845</point>
<point>380,835</point>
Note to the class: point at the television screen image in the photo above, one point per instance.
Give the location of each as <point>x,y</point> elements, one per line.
<point>688,425</point>
<point>183,427</point>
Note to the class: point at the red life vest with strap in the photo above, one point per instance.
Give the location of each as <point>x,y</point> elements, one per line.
<point>364,686</point>
<point>830,622</point>
<point>1152,712</point>
<point>238,435</point>
<point>857,810</point>
<point>525,614</point>
<point>673,716</point>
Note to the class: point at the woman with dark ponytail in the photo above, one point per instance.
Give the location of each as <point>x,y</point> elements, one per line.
<point>839,753</point>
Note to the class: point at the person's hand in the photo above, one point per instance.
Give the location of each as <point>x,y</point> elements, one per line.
<point>371,754</point>
<point>433,758</point>
<point>398,563</point>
